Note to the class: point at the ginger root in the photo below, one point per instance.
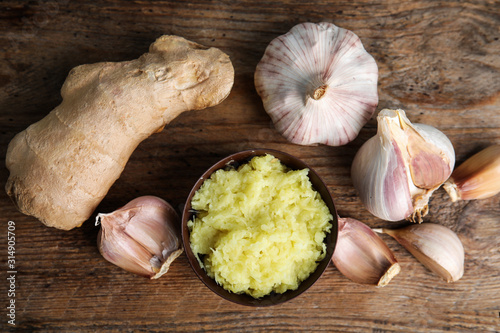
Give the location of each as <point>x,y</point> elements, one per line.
<point>62,166</point>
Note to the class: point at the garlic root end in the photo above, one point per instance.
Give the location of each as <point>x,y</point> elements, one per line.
<point>387,277</point>
<point>451,188</point>
<point>418,214</point>
<point>166,265</point>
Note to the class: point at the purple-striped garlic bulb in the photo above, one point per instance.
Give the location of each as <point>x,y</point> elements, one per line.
<point>396,171</point>
<point>318,84</point>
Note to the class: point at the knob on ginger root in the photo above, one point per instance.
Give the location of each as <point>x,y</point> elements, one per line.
<point>62,166</point>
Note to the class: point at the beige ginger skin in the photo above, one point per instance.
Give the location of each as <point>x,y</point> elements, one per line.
<point>62,166</point>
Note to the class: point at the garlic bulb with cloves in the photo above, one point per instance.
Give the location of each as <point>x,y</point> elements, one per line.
<point>141,237</point>
<point>437,247</point>
<point>396,171</point>
<point>477,178</point>
<point>362,256</point>
<point>318,84</point>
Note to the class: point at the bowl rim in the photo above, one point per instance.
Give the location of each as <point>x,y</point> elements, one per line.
<point>239,158</point>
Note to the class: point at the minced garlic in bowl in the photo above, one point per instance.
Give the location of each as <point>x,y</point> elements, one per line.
<point>260,228</point>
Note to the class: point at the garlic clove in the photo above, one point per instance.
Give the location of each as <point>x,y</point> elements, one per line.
<point>362,256</point>
<point>123,251</point>
<point>396,171</point>
<point>437,247</point>
<point>477,178</point>
<point>141,237</point>
<point>428,167</point>
<point>379,175</point>
<point>318,84</point>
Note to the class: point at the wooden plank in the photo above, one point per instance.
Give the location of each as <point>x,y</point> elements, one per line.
<point>438,60</point>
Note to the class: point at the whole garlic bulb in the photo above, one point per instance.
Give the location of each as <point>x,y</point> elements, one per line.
<point>318,84</point>
<point>141,237</point>
<point>396,171</point>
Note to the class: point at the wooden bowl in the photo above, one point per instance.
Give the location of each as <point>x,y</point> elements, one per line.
<point>273,298</point>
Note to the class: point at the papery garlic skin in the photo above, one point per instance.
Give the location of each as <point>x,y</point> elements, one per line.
<point>141,237</point>
<point>396,171</point>
<point>437,247</point>
<point>318,84</point>
<point>362,256</point>
<point>477,178</point>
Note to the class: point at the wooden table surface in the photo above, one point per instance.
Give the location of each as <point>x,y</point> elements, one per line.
<point>438,60</point>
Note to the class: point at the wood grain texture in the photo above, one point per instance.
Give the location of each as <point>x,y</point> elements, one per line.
<point>438,60</point>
